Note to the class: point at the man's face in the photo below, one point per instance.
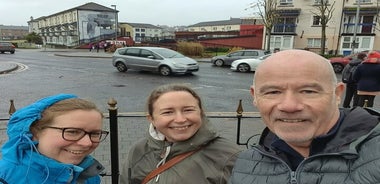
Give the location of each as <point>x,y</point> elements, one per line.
<point>297,100</point>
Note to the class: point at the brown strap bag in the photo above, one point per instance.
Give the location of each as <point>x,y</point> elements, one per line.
<point>167,165</point>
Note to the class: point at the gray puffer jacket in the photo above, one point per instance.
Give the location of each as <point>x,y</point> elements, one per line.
<point>351,157</point>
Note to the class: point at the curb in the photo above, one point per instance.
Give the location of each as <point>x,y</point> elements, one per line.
<point>82,56</point>
<point>11,67</point>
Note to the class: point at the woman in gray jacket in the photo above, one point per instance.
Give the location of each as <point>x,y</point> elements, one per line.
<point>178,125</point>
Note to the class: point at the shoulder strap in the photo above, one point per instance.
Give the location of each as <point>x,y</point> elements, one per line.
<point>167,165</point>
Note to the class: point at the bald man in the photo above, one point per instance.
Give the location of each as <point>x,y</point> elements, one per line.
<point>308,139</point>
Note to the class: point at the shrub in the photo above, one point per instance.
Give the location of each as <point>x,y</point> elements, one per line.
<point>190,48</point>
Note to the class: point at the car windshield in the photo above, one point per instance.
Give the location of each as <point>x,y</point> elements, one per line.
<point>167,53</point>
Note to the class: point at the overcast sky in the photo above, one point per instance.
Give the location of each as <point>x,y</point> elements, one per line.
<point>156,12</point>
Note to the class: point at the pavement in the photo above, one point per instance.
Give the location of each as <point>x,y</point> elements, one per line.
<point>6,67</point>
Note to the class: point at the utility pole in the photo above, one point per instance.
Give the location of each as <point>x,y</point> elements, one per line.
<point>353,45</point>
<point>115,23</point>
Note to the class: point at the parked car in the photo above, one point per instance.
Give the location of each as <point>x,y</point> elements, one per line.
<point>339,63</point>
<point>240,54</point>
<point>247,65</point>
<point>7,47</point>
<point>158,59</point>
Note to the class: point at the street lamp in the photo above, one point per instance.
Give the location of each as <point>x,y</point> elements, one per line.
<point>357,19</point>
<point>114,6</point>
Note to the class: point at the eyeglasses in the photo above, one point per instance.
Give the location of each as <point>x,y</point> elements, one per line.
<point>76,134</point>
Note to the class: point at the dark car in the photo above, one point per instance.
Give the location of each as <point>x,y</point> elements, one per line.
<point>7,47</point>
<point>240,54</point>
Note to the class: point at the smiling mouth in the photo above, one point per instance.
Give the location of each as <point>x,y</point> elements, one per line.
<point>291,120</point>
<point>75,152</point>
<point>181,127</point>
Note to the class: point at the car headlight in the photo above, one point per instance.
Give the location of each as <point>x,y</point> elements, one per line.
<point>180,65</point>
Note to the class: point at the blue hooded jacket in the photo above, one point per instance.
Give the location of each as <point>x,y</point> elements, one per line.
<point>22,163</point>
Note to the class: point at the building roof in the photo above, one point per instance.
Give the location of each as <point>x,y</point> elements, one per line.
<point>95,7</point>
<point>88,6</point>
<point>141,25</point>
<point>231,21</point>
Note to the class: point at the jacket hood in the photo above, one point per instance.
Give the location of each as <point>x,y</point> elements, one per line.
<point>19,135</point>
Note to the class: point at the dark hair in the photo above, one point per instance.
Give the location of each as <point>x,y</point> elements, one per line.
<point>159,91</point>
<point>361,55</point>
<point>59,108</point>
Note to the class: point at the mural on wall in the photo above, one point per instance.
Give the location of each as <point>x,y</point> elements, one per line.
<point>95,25</point>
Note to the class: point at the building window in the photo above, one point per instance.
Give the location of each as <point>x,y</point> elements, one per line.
<point>365,24</point>
<point>285,25</point>
<point>137,30</point>
<point>282,42</point>
<point>314,43</point>
<point>286,42</point>
<point>319,2</point>
<point>347,42</point>
<point>364,1</point>
<point>286,2</point>
<point>275,42</point>
<point>316,21</point>
<point>142,30</point>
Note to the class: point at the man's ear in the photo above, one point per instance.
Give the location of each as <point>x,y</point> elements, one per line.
<point>339,90</point>
<point>252,91</point>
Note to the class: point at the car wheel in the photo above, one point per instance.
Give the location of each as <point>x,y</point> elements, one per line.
<point>337,67</point>
<point>219,62</point>
<point>165,70</point>
<point>121,67</point>
<point>12,52</point>
<point>243,67</point>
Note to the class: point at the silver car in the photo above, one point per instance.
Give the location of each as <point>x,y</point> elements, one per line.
<point>247,65</point>
<point>158,59</point>
<point>239,54</point>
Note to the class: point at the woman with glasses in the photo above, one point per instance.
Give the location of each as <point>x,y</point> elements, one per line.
<point>50,141</point>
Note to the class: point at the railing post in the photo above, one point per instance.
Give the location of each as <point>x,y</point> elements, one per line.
<point>239,114</point>
<point>114,141</point>
<point>12,108</point>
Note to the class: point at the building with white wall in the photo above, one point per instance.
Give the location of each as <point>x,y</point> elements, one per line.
<point>80,25</point>
<point>300,28</point>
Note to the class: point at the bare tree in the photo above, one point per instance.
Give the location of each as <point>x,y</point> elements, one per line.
<point>267,10</point>
<point>324,11</point>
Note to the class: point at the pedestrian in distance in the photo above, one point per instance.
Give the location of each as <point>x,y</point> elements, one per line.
<point>308,138</point>
<point>90,47</point>
<point>105,46</point>
<point>97,47</point>
<point>368,76</point>
<point>182,146</point>
<point>351,84</point>
<point>50,141</point>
